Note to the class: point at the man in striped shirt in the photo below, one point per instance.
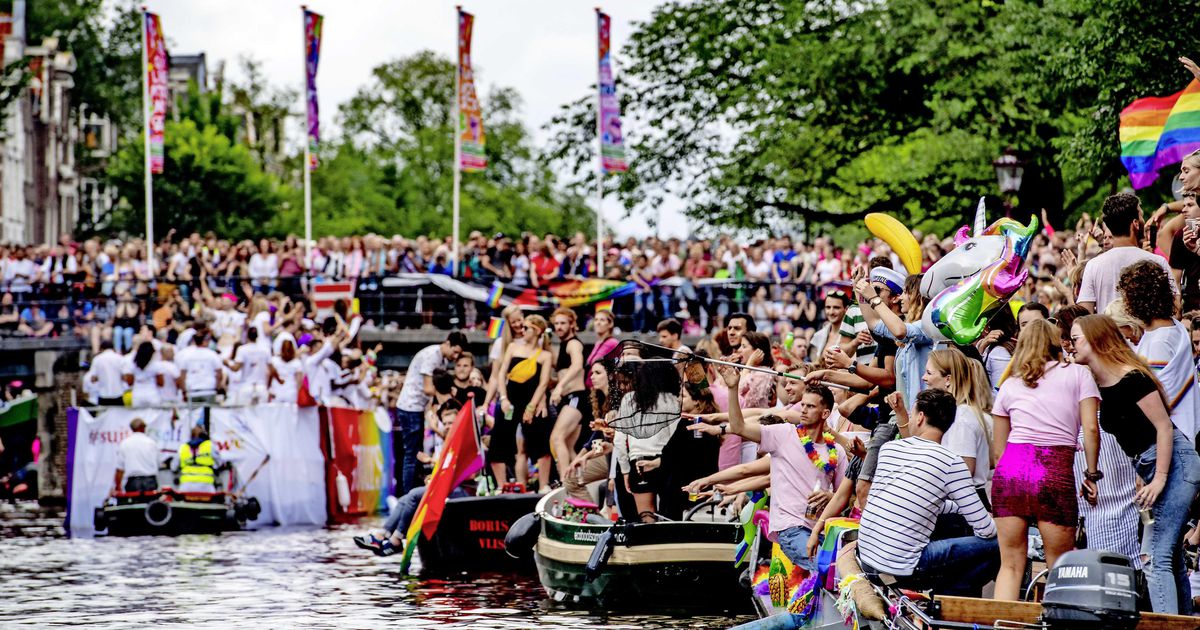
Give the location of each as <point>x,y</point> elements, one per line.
<point>916,480</point>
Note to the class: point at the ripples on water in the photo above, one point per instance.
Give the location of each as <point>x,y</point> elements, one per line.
<point>273,578</point>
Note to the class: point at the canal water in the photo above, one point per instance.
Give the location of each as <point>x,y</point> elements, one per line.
<point>272,578</point>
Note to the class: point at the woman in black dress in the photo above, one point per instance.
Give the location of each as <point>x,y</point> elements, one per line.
<point>526,376</point>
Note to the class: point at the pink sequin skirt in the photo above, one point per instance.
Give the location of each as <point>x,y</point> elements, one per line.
<point>1036,483</point>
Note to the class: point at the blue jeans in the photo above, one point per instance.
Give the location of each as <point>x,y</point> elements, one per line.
<point>1166,573</point>
<point>793,541</point>
<point>957,566</point>
<point>409,429</point>
<point>643,306</point>
<point>401,517</point>
<point>122,339</point>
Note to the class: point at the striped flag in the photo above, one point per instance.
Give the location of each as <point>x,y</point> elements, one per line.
<point>494,296</point>
<point>326,294</point>
<point>495,328</point>
<point>605,305</point>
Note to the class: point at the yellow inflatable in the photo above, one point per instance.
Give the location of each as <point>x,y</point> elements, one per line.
<point>899,238</point>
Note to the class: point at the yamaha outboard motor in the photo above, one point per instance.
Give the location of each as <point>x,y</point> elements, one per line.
<point>1089,588</point>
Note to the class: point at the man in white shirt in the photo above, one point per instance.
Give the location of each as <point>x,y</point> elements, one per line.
<point>670,332</point>
<point>410,407</point>
<point>916,480</point>
<point>19,273</point>
<point>200,368</point>
<point>137,461</point>
<point>168,392</point>
<point>1123,218</point>
<point>106,375</point>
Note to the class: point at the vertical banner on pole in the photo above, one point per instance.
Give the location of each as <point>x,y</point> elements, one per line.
<point>470,129</point>
<point>156,88</point>
<point>312,55</point>
<point>612,144</point>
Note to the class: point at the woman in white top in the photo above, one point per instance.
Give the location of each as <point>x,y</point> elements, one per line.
<point>264,268</point>
<point>520,265</point>
<point>970,437</point>
<point>143,376</point>
<point>284,373</point>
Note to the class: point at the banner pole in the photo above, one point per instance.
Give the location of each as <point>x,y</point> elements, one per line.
<point>307,158</point>
<point>599,159</point>
<point>454,250</point>
<point>146,148</point>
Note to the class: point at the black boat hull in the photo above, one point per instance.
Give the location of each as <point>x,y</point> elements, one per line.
<point>470,535</point>
<point>183,518</point>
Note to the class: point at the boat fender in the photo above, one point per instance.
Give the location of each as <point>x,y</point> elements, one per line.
<point>252,509</point>
<point>343,491</point>
<point>157,513</point>
<point>522,536</point>
<point>600,555</point>
<point>100,519</point>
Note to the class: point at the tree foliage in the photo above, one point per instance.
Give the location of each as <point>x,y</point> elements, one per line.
<point>823,110</point>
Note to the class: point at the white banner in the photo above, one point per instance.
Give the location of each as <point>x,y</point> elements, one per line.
<point>290,486</point>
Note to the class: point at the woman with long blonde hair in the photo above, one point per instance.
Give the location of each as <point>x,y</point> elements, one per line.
<point>1042,403</point>
<point>524,379</point>
<point>970,436</point>
<point>1134,409</point>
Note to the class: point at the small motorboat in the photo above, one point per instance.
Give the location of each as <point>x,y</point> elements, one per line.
<point>471,534</point>
<point>169,512</point>
<point>678,564</point>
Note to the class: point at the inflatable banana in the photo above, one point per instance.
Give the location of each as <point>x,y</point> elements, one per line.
<point>898,237</point>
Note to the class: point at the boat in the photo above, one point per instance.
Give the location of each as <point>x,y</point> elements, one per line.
<point>169,512</point>
<point>470,534</point>
<point>676,564</point>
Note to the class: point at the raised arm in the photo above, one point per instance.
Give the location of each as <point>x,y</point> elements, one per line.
<point>738,424</point>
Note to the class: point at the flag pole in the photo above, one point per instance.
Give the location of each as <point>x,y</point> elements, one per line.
<point>454,253</point>
<point>146,148</point>
<point>307,158</point>
<point>599,160</point>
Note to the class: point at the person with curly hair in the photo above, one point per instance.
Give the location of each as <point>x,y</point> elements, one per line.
<point>1123,218</point>
<point>1166,345</point>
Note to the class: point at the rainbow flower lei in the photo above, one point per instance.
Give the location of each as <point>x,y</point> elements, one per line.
<point>830,463</point>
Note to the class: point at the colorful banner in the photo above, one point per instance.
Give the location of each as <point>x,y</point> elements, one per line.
<point>358,450</point>
<point>156,87</point>
<point>471,156</point>
<point>1159,131</point>
<point>612,144</point>
<point>312,55</point>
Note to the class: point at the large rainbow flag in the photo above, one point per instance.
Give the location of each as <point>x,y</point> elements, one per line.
<point>568,293</point>
<point>1159,131</point>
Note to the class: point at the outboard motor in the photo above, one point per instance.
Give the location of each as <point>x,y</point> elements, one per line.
<point>600,555</point>
<point>522,536</point>
<point>1089,588</point>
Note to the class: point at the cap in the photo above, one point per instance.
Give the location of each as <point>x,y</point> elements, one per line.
<point>892,279</point>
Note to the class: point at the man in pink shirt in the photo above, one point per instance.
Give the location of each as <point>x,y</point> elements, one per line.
<point>806,465</point>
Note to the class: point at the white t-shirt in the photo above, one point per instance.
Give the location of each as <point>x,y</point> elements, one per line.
<point>253,358</point>
<point>169,392</point>
<point>145,386</point>
<point>108,367</point>
<point>412,395</point>
<point>1168,350</point>
<point>137,455</point>
<point>288,372</point>
<point>201,367</point>
<point>968,438</point>
<point>1100,276</point>
<point>757,270</point>
<point>828,270</point>
<point>228,322</point>
<point>264,267</point>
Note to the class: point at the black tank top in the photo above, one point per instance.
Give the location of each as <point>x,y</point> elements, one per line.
<point>564,358</point>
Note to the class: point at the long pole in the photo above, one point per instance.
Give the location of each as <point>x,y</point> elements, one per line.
<point>599,160</point>
<point>307,167</point>
<point>146,150</point>
<point>457,131</point>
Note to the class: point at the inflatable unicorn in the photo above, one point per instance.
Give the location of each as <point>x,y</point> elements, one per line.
<point>970,284</point>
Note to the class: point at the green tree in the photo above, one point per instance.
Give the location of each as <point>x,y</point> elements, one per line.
<point>208,183</point>
<point>821,111</point>
<point>402,121</point>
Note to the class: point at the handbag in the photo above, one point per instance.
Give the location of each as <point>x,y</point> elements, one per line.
<point>523,371</point>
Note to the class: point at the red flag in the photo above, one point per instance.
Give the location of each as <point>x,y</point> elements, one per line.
<point>462,457</point>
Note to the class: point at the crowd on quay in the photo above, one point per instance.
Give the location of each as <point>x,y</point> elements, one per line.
<point>949,453</point>
<point>1077,410</point>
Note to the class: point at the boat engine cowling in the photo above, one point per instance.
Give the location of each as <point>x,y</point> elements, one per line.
<point>522,536</point>
<point>1089,588</point>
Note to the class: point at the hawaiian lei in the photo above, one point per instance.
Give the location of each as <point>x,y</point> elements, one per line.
<point>828,465</point>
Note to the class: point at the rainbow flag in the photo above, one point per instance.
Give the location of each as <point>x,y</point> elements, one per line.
<point>1159,131</point>
<point>606,305</point>
<point>494,296</point>
<point>471,154</point>
<point>495,328</point>
<point>312,54</point>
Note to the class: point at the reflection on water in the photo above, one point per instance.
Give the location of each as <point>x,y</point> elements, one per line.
<point>277,577</point>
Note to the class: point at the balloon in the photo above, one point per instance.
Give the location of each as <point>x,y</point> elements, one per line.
<point>898,237</point>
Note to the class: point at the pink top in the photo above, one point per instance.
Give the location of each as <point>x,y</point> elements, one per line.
<point>793,475</point>
<point>1047,415</point>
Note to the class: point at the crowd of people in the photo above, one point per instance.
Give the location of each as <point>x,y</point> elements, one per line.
<point>844,404</point>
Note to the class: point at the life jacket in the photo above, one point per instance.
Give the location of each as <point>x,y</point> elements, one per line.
<point>198,468</point>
